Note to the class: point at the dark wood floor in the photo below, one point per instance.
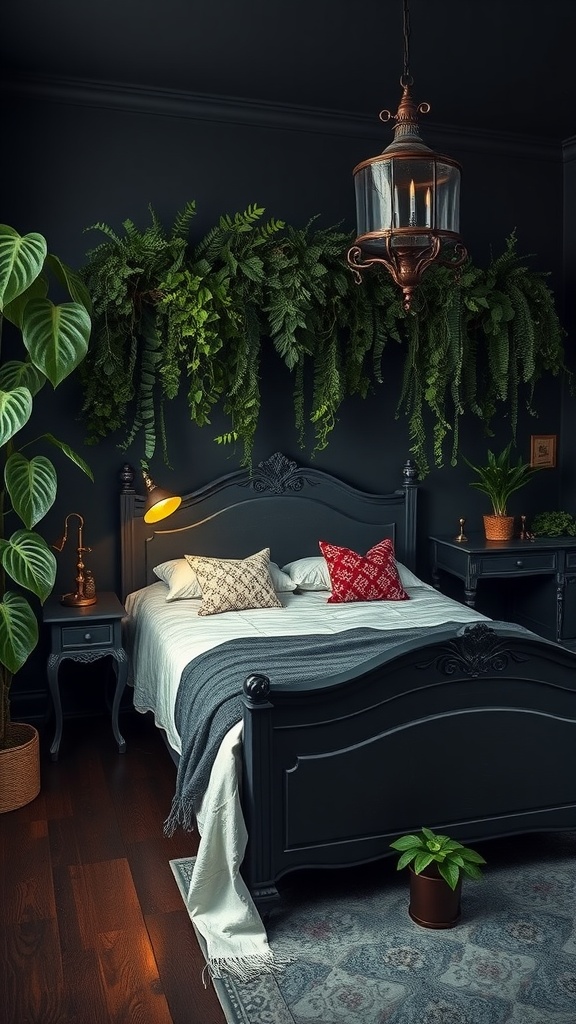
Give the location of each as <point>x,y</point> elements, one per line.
<point>92,927</point>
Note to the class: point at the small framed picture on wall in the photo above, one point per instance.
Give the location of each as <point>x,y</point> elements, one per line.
<point>543,451</point>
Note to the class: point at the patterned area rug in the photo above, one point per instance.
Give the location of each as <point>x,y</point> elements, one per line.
<point>361,960</point>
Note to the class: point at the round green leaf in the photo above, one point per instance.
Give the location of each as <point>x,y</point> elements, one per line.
<point>15,411</point>
<point>32,486</point>
<point>56,337</point>
<point>18,631</point>
<point>21,261</point>
<point>16,374</point>
<point>29,561</point>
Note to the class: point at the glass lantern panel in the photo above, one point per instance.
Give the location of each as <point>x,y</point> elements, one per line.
<point>448,198</point>
<point>373,198</point>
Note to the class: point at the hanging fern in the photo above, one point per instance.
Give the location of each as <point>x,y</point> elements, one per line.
<point>175,314</point>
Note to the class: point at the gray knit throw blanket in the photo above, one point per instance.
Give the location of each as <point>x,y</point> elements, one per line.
<point>209,700</point>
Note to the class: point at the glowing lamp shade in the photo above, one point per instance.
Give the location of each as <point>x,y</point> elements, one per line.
<point>159,503</point>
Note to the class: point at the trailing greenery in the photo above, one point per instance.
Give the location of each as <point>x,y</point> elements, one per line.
<point>554,524</point>
<point>172,312</point>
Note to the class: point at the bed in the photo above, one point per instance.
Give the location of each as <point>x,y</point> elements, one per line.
<point>462,724</point>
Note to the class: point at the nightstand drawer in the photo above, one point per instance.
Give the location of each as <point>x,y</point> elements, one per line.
<point>87,636</point>
<point>529,562</point>
<point>571,560</point>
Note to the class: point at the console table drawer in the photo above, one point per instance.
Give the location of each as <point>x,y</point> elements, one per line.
<point>571,560</point>
<point>88,636</point>
<point>529,562</point>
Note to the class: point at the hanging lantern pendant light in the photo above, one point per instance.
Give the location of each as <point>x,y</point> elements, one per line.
<point>407,199</point>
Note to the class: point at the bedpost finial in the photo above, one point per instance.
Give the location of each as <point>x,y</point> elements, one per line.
<point>410,473</point>
<point>127,478</point>
<point>257,688</point>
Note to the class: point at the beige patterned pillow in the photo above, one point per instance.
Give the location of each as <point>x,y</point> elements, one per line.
<point>231,584</point>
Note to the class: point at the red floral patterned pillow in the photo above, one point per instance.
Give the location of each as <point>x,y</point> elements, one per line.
<point>372,577</point>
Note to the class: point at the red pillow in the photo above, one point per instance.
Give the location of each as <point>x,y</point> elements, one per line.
<point>373,577</point>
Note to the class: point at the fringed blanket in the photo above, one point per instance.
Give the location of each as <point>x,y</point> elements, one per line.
<point>209,700</point>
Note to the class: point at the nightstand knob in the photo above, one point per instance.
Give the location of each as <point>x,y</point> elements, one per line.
<point>87,636</point>
<point>519,563</point>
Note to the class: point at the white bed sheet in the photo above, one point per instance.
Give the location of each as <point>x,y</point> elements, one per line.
<point>163,637</point>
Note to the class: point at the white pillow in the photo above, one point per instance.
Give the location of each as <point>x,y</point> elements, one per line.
<point>407,578</point>
<point>312,574</point>
<point>181,579</point>
<point>280,580</point>
<point>309,573</point>
<point>183,582</point>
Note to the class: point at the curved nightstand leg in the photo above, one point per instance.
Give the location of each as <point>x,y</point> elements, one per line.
<point>470,596</point>
<point>52,673</point>
<point>121,664</point>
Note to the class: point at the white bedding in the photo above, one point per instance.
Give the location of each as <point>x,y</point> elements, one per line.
<point>163,637</point>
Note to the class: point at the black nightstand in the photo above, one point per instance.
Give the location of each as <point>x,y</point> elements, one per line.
<point>86,634</point>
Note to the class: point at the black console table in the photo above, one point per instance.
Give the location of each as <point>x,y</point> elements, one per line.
<point>548,607</point>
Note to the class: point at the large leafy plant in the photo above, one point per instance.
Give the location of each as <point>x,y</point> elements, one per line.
<point>450,857</point>
<point>54,340</point>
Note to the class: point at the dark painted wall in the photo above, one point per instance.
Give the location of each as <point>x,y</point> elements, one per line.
<point>78,158</point>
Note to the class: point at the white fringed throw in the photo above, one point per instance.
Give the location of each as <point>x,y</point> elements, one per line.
<point>218,900</point>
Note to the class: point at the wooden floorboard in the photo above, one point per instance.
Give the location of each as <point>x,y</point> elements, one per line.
<point>92,926</point>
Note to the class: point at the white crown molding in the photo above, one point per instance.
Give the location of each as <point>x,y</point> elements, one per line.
<point>259,114</point>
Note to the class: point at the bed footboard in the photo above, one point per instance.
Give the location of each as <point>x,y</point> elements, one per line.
<point>473,733</point>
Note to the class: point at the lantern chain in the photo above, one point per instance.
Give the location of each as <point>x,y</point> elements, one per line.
<point>406,77</point>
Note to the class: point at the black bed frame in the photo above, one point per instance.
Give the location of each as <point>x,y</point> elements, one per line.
<point>471,730</point>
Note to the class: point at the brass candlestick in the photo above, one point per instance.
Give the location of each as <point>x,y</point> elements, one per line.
<point>461,538</point>
<point>524,533</point>
<point>85,592</point>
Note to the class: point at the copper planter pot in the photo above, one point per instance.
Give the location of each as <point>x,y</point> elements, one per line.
<point>499,527</point>
<point>433,904</point>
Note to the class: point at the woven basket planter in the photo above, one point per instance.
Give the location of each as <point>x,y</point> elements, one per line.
<point>19,767</point>
<point>499,527</point>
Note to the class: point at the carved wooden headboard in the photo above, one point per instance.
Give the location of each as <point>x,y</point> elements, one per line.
<point>279,505</point>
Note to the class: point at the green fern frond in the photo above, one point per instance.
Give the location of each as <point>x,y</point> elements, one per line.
<point>183,219</point>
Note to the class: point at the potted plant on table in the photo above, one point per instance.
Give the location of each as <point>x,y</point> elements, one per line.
<point>437,864</point>
<point>499,478</point>
<point>54,341</point>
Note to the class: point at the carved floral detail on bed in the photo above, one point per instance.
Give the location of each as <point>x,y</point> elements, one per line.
<point>278,474</point>
<point>477,651</point>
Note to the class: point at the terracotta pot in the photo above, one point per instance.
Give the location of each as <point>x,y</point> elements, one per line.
<point>499,527</point>
<point>19,767</point>
<point>433,904</point>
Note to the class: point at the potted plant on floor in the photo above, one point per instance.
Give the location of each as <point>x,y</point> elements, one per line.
<point>499,478</point>
<point>54,340</point>
<point>437,864</point>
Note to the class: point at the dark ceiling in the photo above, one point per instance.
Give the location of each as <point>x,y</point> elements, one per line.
<point>494,65</point>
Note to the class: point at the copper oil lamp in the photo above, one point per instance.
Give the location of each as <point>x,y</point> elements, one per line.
<point>85,587</point>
